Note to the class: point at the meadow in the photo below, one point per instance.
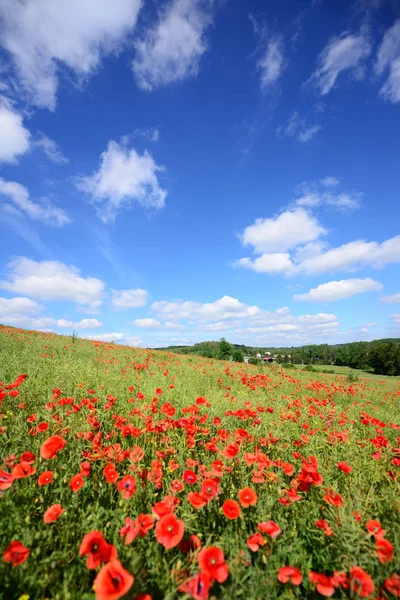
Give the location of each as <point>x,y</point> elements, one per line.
<point>139,474</point>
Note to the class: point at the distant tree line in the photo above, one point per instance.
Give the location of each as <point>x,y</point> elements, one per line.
<point>380,356</point>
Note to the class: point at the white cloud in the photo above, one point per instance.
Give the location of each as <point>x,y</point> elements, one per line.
<point>267,263</point>
<point>147,323</point>
<point>83,324</point>
<point>283,232</point>
<point>129,298</point>
<point>18,306</point>
<point>51,150</point>
<point>14,137</point>
<point>388,60</point>
<point>224,308</point>
<point>22,204</point>
<point>338,290</point>
<point>135,341</point>
<point>43,36</point>
<point>169,325</point>
<point>396,319</point>
<point>124,177</point>
<point>18,312</point>
<point>352,256</point>
<point>171,50</point>
<point>298,129</point>
<point>105,337</point>
<point>395,298</point>
<point>52,280</point>
<point>215,327</point>
<point>272,63</point>
<point>345,53</point>
<point>311,194</point>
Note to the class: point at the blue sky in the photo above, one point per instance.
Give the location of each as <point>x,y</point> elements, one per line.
<point>177,171</point>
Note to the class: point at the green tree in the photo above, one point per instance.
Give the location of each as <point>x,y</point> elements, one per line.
<point>385,358</point>
<point>237,356</point>
<point>225,350</point>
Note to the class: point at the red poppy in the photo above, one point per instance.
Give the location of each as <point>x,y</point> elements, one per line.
<point>16,553</point>
<point>166,506</point>
<point>361,582</point>
<point>209,488</point>
<point>110,473</point>
<point>51,446</point>
<point>28,457</point>
<point>333,499</point>
<point>53,513</point>
<point>212,563</point>
<point>76,483</point>
<point>177,486</point>
<point>392,584</point>
<point>127,486</point>
<point>23,469</point>
<point>145,523</point>
<point>326,528</point>
<point>189,477</point>
<point>6,480</point>
<point>130,530</point>
<point>169,531</point>
<point>191,544</point>
<point>290,573</point>
<point>197,500</point>
<point>384,550</point>
<point>98,550</point>
<point>247,497</point>
<point>231,509</point>
<point>325,585</point>
<point>270,528</point>
<point>197,587</point>
<point>45,478</point>
<point>255,541</point>
<point>343,466</point>
<point>112,581</point>
<point>375,528</point>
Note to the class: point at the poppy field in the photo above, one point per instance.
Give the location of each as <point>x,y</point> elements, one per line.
<point>139,474</point>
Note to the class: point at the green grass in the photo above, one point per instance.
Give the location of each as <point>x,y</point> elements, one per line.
<point>362,374</point>
<point>275,417</point>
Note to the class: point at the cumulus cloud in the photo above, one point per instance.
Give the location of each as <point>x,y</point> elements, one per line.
<point>224,308</point>
<point>284,232</point>
<point>20,311</point>
<point>43,37</point>
<point>352,256</point>
<point>51,150</point>
<point>346,53</point>
<point>147,323</point>
<point>338,290</point>
<point>395,298</point>
<point>123,178</point>
<point>83,324</point>
<point>52,280</point>
<point>18,306</point>
<point>169,325</point>
<point>105,337</point>
<point>14,137</point>
<point>15,197</point>
<point>171,51</point>
<point>272,264</point>
<point>129,298</point>
<point>388,61</point>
